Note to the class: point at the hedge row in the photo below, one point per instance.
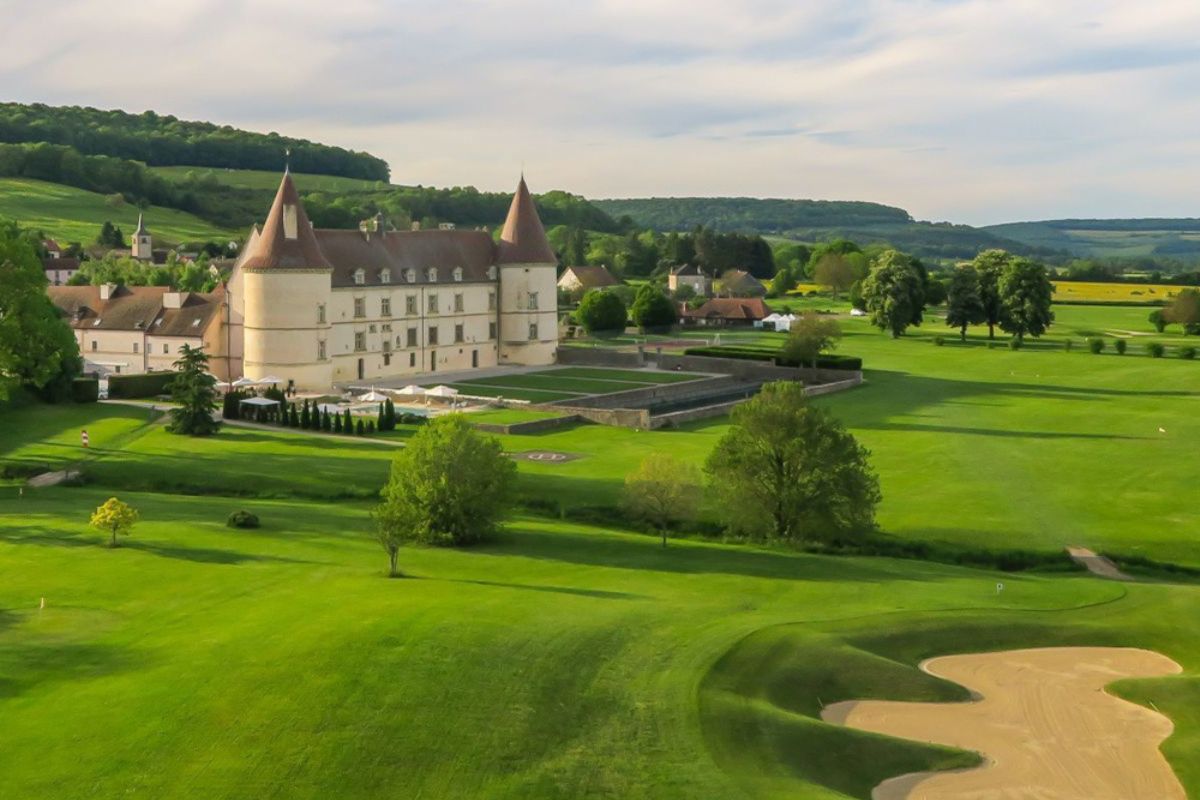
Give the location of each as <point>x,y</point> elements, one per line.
<point>85,390</point>
<point>150,384</point>
<point>771,355</point>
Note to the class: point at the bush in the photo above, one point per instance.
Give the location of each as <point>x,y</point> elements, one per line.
<point>242,519</point>
<point>151,384</point>
<point>359,428</point>
<point>1014,343</point>
<point>85,390</point>
<point>370,427</point>
<point>939,340</point>
<point>1188,352</point>
<point>1096,346</point>
<point>1156,350</point>
<point>1121,346</point>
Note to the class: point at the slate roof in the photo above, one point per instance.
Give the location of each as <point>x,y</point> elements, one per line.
<point>135,308</point>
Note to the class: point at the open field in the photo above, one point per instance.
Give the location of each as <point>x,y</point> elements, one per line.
<point>1083,291</point>
<point>74,215</point>
<point>262,179</point>
<point>572,660</point>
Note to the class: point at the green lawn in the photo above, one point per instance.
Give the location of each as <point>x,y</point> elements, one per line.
<point>567,660</point>
<point>74,215</point>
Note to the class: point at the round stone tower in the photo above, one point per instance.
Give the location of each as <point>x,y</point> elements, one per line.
<point>528,276</point>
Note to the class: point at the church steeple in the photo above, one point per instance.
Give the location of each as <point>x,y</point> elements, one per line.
<point>523,240</point>
<point>287,239</point>
<point>142,246</point>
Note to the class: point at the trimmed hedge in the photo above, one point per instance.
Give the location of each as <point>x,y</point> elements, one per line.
<point>85,390</point>
<point>150,384</point>
<point>242,519</point>
<point>771,355</point>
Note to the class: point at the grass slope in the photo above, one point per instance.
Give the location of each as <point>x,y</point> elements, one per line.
<point>74,215</point>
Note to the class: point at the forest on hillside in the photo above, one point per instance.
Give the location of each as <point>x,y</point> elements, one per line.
<point>161,140</point>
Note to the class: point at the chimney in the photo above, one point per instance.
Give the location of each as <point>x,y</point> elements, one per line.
<point>172,300</point>
<point>107,290</point>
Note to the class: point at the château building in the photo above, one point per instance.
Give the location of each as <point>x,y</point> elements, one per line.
<point>318,307</point>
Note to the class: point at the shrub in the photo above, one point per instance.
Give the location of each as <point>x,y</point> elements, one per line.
<point>1188,352</point>
<point>939,340</point>
<point>1121,346</point>
<point>151,384</point>
<point>370,427</point>
<point>1014,343</point>
<point>359,428</point>
<point>337,423</point>
<point>85,390</point>
<point>242,519</point>
<point>1155,349</point>
<point>1096,346</point>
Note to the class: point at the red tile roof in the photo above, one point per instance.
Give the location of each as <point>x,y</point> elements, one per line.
<point>592,277</point>
<point>272,249</point>
<point>733,308</point>
<point>523,240</point>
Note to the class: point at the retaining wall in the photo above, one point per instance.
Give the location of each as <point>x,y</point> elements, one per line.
<point>600,357</point>
<point>755,370</point>
<point>532,426</point>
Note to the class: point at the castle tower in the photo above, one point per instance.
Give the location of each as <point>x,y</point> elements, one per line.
<point>143,249</point>
<point>286,292</point>
<point>528,289</point>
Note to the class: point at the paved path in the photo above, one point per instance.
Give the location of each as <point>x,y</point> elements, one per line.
<point>1097,564</point>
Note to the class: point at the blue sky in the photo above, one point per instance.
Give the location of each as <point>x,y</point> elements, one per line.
<point>973,111</point>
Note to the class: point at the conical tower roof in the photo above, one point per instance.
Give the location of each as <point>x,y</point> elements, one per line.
<point>287,240</point>
<point>523,240</point>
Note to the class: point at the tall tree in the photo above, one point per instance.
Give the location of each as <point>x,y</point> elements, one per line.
<point>663,491</point>
<point>448,486</point>
<point>791,471</point>
<point>990,264</point>
<point>1025,297</point>
<point>894,293</point>
<point>37,349</point>
<point>964,306</point>
<point>601,312</point>
<point>835,271</point>
<point>194,391</point>
<point>1184,310</point>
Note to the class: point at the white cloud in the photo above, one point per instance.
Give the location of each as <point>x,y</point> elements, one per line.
<point>970,110</point>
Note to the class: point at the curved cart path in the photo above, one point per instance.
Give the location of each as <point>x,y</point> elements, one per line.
<point>1042,721</point>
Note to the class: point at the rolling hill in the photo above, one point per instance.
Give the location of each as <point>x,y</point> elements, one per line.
<point>1138,239</point>
<point>74,215</point>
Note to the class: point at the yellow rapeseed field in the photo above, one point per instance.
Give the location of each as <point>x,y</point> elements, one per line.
<point>1113,292</point>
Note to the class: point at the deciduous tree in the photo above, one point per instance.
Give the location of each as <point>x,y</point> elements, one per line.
<point>663,491</point>
<point>601,312</point>
<point>1025,297</point>
<point>790,471</point>
<point>1185,311</point>
<point>990,264</point>
<point>114,517</point>
<point>653,309</point>
<point>894,293</point>
<point>964,305</point>
<point>808,337</point>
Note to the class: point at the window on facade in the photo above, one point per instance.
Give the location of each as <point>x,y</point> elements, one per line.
<point>491,330</point>
<point>360,276</point>
<point>458,302</point>
<point>433,306</point>
<point>412,337</point>
<point>533,301</point>
<point>458,273</point>
<point>135,347</point>
<point>166,349</point>
<point>385,307</point>
<point>387,345</point>
<point>360,342</point>
<point>458,333</point>
<point>360,307</point>
<point>410,275</point>
<point>387,359</point>
<point>533,333</point>
<point>385,276</point>
<point>320,313</point>
<point>412,359</point>
<point>432,334</point>
<point>321,350</point>
<point>410,304</point>
<point>431,274</point>
<point>95,344</point>
<point>491,301</point>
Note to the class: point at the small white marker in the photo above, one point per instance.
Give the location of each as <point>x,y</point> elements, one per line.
<point>43,605</point>
<point>999,588</point>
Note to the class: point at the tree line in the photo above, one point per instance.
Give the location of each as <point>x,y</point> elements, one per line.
<point>164,140</point>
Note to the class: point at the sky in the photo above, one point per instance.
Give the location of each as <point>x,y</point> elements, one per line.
<point>975,111</point>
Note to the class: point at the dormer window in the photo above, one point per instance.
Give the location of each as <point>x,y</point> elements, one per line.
<point>360,276</point>
<point>385,276</point>
<point>431,274</point>
<point>491,273</point>
<point>410,275</point>
<point>458,274</point>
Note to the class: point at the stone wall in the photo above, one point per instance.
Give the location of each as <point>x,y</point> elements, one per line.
<point>599,357</point>
<point>755,370</point>
<point>659,393</point>
<point>532,426</point>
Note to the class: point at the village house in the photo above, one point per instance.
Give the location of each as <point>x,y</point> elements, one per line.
<point>59,268</point>
<point>690,275</point>
<point>739,283</point>
<point>581,279</point>
<point>728,311</point>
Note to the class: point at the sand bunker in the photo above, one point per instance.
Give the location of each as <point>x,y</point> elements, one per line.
<point>1043,723</point>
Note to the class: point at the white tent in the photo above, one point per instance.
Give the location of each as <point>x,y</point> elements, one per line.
<point>332,408</point>
<point>372,397</point>
<point>270,380</point>
<point>857,312</point>
<point>412,389</point>
<point>442,391</point>
<point>240,382</point>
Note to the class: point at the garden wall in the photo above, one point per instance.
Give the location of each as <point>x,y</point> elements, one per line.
<point>599,357</point>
